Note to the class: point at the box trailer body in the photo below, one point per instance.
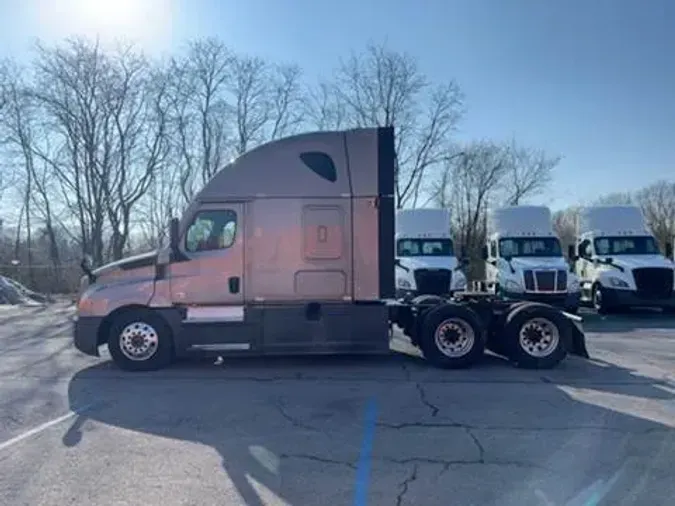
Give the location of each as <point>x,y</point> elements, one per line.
<point>524,259</point>
<point>426,261</point>
<point>619,262</point>
<point>290,250</point>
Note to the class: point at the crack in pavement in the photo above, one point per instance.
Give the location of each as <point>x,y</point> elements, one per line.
<point>507,428</point>
<point>479,446</point>
<point>421,425</point>
<point>423,397</point>
<point>292,420</point>
<point>405,484</point>
<point>445,463</point>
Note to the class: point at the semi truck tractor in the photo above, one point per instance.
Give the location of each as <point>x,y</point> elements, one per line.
<point>524,259</point>
<point>619,262</point>
<point>426,260</point>
<point>290,250</point>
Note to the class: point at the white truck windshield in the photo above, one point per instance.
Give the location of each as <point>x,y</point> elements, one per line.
<point>424,247</point>
<point>644,245</point>
<point>530,247</point>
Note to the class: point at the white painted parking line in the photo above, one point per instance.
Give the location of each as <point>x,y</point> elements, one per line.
<point>43,427</point>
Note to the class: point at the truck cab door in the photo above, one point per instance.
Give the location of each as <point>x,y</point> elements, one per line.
<point>211,273</point>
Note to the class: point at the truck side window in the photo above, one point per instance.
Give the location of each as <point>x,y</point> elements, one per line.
<point>211,230</point>
<point>508,248</point>
<point>602,246</point>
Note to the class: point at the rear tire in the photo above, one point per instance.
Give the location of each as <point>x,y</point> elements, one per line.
<point>452,337</point>
<point>140,340</point>
<point>537,336</point>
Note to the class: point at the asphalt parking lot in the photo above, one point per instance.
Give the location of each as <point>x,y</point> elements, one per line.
<point>337,431</point>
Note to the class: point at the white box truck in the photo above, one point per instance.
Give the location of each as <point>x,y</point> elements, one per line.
<point>290,250</point>
<point>426,261</point>
<point>524,258</point>
<point>619,262</point>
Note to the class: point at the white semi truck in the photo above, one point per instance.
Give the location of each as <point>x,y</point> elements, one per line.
<point>524,259</point>
<point>619,262</point>
<point>426,261</point>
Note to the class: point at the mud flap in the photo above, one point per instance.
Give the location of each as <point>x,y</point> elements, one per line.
<point>578,337</point>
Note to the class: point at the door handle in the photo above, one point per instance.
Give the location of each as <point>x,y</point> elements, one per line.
<point>233,282</point>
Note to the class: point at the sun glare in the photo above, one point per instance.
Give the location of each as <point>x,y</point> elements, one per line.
<point>112,13</point>
<point>146,21</point>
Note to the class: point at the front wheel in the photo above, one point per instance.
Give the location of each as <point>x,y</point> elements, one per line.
<point>537,336</point>
<point>452,337</point>
<point>140,340</point>
<point>600,300</point>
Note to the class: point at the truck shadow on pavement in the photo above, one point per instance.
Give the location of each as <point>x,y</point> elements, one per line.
<point>293,429</point>
<point>630,321</point>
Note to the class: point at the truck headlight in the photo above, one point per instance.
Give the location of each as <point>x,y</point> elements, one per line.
<point>618,283</point>
<point>513,286</point>
<point>574,286</point>
<point>460,283</point>
<point>402,283</point>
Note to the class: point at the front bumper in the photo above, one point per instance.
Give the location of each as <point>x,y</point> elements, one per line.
<point>630,298</point>
<point>560,300</point>
<point>402,293</point>
<point>85,334</point>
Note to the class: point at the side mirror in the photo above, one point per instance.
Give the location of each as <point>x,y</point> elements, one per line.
<point>571,253</point>
<point>173,234</point>
<point>397,263</point>
<point>484,252</point>
<point>87,263</point>
<point>669,251</point>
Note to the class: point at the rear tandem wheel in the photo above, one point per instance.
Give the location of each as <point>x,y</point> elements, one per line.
<point>452,336</point>
<point>536,336</point>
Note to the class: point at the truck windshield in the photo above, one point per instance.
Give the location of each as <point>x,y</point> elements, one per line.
<point>645,245</point>
<point>530,247</point>
<point>424,247</point>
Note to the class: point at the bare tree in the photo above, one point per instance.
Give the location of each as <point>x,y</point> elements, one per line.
<point>266,99</point>
<point>18,136</point>
<point>615,199</point>
<point>250,101</point>
<point>162,203</point>
<point>4,83</point>
<point>136,105</point>
<point>381,87</point>
<point>4,93</point>
<point>67,87</point>
<point>104,113</point>
<point>530,172</point>
<point>467,186</point>
<point>199,111</point>
<point>323,108</point>
<point>565,226</point>
<point>658,206</point>
<point>224,104</point>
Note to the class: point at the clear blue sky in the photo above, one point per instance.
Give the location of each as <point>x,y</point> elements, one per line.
<point>592,80</point>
